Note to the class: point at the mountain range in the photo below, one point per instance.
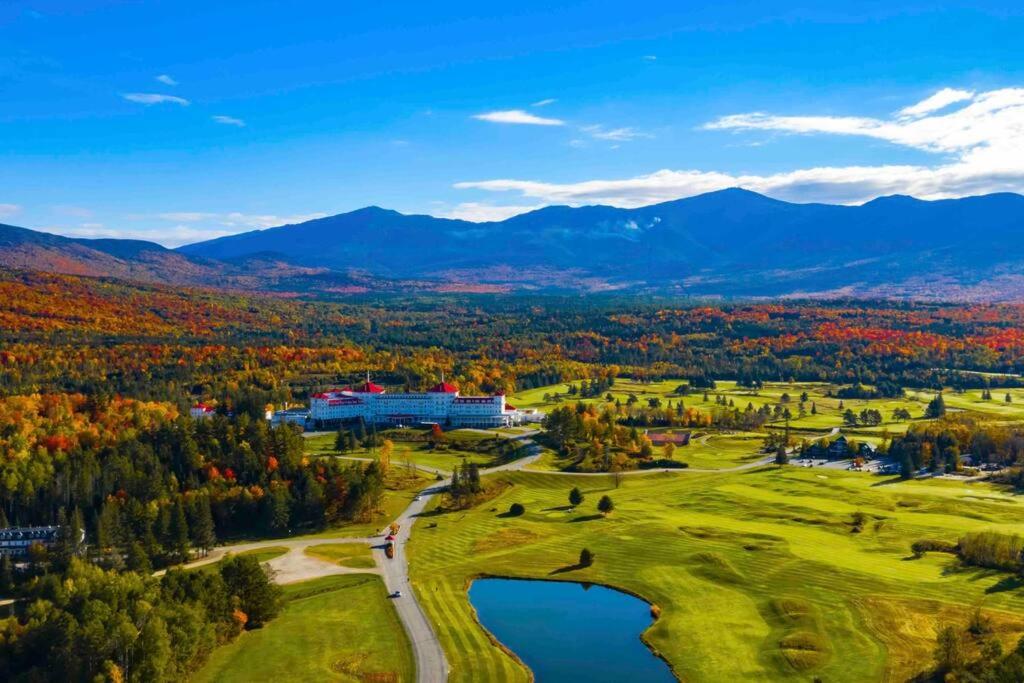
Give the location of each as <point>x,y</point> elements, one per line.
<point>729,243</point>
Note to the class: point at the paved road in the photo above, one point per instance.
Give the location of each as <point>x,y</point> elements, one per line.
<point>431,665</point>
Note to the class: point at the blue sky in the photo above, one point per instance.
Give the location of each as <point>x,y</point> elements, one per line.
<point>180,121</point>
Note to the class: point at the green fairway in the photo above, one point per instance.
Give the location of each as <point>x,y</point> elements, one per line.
<point>338,628</point>
<point>758,574</point>
<point>354,555</point>
<point>721,451</point>
<point>827,411</point>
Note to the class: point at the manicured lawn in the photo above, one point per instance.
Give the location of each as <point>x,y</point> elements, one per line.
<point>444,459</point>
<point>355,555</point>
<point>721,451</point>
<point>454,452</point>
<point>759,574</point>
<point>338,628</point>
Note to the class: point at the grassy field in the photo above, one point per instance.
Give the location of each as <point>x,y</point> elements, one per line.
<point>828,412</point>
<point>338,628</point>
<point>721,451</point>
<point>455,452</point>
<point>759,574</point>
<point>353,555</point>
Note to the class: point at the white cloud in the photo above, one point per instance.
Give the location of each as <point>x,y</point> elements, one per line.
<point>544,102</point>
<point>236,219</point>
<point>166,80</point>
<point>988,121</point>
<point>183,227</point>
<point>229,121</point>
<point>74,211</point>
<point>651,58</point>
<point>518,116</point>
<point>186,216</point>
<point>8,210</point>
<point>939,100</point>
<point>252,221</point>
<point>980,149</point>
<point>624,134</point>
<point>479,212</point>
<point>154,98</point>
<point>168,236</point>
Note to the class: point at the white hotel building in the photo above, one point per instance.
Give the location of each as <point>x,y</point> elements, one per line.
<point>441,404</point>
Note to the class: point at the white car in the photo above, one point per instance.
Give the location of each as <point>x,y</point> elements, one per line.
<point>418,498</point>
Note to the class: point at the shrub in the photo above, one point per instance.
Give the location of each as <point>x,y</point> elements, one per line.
<point>516,509</point>
<point>929,546</point>
<point>586,558</point>
<point>992,550</point>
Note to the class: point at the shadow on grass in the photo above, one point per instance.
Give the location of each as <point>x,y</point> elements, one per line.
<point>892,480</point>
<point>1008,583</point>
<point>586,518</point>
<point>568,568</point>
<point>560,508</point>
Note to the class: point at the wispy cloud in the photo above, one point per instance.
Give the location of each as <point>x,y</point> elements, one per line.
<point>166,80</point>
<point>979,148</point>
<point>237,219</point>
<point>939,100</point>
<point>481,212</point>
<point>624,134</point>
<point>651,58</point>
<point>75,211</point>
<point>988,121</point>
<point>168,236</point>
<point>175,228</point>
<point>518,116</point>
<point>544,103</point>
<point>229,121</point>
<point>8,210</point>
<point>154,98</point>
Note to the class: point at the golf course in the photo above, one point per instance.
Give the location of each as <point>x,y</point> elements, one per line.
<point>751,570</point>
<point>760,574</point>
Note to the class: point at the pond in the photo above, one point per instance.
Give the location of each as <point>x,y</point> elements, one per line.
<point>569,631</point>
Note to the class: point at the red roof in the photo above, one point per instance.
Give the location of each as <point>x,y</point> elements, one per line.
<point>509,406</point>
<point>368,388</point>
<point>203,407</point>
<point>444,388</point>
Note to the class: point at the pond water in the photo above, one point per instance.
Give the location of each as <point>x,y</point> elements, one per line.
<point>570,631</point>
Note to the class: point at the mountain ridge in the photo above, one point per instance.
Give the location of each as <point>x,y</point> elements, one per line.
<point>730,242</point>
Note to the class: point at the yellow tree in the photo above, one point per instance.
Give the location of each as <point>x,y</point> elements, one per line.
<point>386,447</point>
<point>669,450</point>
